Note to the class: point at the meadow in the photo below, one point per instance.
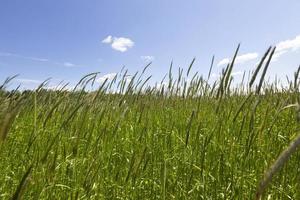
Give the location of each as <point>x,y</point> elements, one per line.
<point>184,138</point>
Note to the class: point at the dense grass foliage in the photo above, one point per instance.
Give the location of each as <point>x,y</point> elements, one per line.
<point>179,141</point>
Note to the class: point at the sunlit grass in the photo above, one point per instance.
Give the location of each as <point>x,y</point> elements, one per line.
<point>182,140</point>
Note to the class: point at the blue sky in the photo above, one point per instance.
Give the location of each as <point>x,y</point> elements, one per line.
<point>66,39</point>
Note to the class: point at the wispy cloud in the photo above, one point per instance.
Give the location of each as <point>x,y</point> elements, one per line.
<point>240,59</point>
<point>147,58</point>
<point>28,81</point>
<point>121,44</point>
<point>66,64</point>
<point>37,59</point>
<point>286,46</point>
<point>7,54</point>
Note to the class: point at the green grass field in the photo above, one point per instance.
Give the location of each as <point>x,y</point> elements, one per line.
<point>183,140</point>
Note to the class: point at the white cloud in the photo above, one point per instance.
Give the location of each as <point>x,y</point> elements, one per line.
<point>246,57</point>
<point>215,75</point>
<point>286,46</point>
<point>293,44</point>
<point>109,77</point>
<point>60,87</point>
<point>159,86</point>
<point>282,48</point>
<point>128,78</point>
<point>107,40</point>
<point>147,58</point>
<point>277,54</point>
<point>224,61</point>
<point>240,59</point>
<point>122,44</point>
<point>68,64</point>
<point>237,73</point>
<point>119,44</point>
